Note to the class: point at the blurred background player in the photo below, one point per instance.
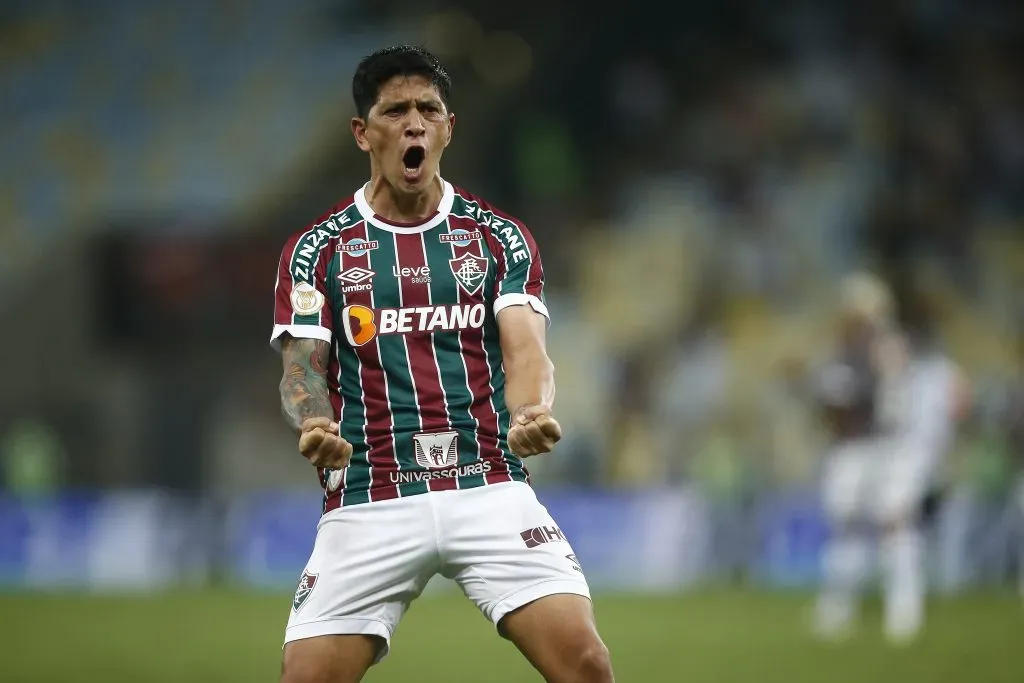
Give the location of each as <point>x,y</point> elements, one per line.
<point>891,402</point>
<point>1016,443</point>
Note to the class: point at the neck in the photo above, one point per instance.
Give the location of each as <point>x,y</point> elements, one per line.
<point>403,207</point>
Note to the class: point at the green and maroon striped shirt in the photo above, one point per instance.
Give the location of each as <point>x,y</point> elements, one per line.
<point>416,374</point>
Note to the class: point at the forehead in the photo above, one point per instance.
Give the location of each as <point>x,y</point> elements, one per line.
<point>405,88</point>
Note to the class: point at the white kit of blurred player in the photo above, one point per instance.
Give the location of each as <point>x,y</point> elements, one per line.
<point>1019,495</point>
<point>879,474</point>
<point>1016,431</point>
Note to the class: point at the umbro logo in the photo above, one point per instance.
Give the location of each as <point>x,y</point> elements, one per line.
<point>357,280</point>
<point>356,275</point>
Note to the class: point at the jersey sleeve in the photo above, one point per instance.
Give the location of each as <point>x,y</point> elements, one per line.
<point>302,306</point>
<point>520,279</point>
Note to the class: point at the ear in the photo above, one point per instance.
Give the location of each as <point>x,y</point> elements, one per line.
<point>451,127</point>
<point>359,133</point>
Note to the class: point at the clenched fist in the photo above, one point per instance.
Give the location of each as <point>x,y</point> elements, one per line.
<point>533,431</point>
<point>322,445</point>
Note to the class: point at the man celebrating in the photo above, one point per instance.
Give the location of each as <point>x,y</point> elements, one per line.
<point>411,322</point>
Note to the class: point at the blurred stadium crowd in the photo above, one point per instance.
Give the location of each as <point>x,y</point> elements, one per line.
<point>697,178</point>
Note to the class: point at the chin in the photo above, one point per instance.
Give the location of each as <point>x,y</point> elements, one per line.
<point>421,184</point>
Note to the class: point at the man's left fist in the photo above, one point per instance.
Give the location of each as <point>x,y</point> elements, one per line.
<point>533,431</point>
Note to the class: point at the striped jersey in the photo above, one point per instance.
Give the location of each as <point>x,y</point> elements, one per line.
<point>848,388</point>
<point>415,375</point>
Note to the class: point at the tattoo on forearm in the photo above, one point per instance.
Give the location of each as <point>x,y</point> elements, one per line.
<point>304,392</point>
<point>318,361</point>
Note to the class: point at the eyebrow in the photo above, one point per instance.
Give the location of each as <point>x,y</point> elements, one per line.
<point>429,101</point>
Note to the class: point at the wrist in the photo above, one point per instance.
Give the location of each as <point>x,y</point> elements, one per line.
<point>529,405</point>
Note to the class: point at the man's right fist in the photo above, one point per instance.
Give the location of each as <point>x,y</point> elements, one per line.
<point>322,445</point>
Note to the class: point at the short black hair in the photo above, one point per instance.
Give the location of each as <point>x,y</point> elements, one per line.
<point>398,60</point>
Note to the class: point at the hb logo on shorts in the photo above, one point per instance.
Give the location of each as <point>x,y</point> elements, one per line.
<point>540,535</point>
<point>306,584</point>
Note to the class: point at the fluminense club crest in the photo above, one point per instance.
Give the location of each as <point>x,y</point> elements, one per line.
<point>306,584</point>
<point>470,270</point>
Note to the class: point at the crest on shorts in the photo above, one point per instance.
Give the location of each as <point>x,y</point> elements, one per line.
<point>437,450</point>
<point>470,271</point>
<point>306,584</point>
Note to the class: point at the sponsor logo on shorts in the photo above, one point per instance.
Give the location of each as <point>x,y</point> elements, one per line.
<point>473,468</point>
<point>358,246</point>
<point>362,324</point>
<point>470,271</point>
<point>306,584</point>
<point>356,280</point>
<point>460,237</point>
<point>437,450</point>
<point>306,299</point>
<point>575,563</point>
<point>539,535</point>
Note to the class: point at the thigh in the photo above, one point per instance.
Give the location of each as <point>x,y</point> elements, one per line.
<point>902,486</point>
<point>845,482</point>
<point>558,635</point>
<point>368,563</point>
<point>330,659</point>
<point>504,550</point>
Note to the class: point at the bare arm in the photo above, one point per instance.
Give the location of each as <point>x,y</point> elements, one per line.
<point>963,396</point>
<point>303,387</point>
<point>529,381</point>
<point>529,373</point>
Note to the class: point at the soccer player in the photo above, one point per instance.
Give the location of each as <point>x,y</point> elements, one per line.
<point>1015,432</point>
<point>411,321</point>
<point>893,414</point>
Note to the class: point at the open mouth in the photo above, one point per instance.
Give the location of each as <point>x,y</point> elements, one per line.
<point>413,158</point>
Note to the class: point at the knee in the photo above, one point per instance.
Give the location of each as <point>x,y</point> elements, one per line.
<point>329,659</point>
<point>308,671</point>
<point>314,673</point>
<point>594,664</point>
<point>840,527</point>
<point>298,671</point>
<point>896,524</point>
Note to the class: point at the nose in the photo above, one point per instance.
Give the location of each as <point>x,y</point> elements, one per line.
<point>414,125</point>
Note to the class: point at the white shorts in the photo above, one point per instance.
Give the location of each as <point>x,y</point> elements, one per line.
<point>876,481</point>
<point>370,561</point>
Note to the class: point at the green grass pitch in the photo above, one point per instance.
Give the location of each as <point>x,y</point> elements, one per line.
<point>726,636</point>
